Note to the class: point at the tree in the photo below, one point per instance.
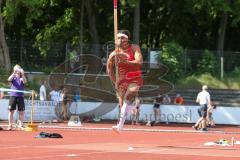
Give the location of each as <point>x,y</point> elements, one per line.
<point>191,23</point>
<point>92,26</point>
<point>207,64</point>
<point>4,53</point>
<point>136,23</point>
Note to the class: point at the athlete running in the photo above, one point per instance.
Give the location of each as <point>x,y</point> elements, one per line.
<point>124,69</point>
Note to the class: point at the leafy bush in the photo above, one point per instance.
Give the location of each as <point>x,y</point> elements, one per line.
<point>3,79</point>
<point>172,56</point>
<point>207,64</point>
<point>235,73</point>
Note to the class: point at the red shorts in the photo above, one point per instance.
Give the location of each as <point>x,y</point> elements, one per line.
<point>123,84</point>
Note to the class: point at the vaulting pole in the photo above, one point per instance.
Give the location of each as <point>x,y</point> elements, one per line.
<point>115,38</point>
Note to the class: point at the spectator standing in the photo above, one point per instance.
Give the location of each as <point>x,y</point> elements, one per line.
<point>64,101</point>
<point>43,92</point>
<point>136,111</point>
<point>18,81</point>
<point>156,108</point>
<point>203,98</point>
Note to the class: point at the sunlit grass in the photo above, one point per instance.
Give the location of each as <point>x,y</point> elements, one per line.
<point>199,80</point>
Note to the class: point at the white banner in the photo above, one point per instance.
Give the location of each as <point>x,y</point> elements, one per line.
<point>45,110</point>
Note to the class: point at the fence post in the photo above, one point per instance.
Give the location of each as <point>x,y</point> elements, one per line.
<point>185,61</point>
<point>66,57</point>
<point>21,51</point>
<point>222,60</point>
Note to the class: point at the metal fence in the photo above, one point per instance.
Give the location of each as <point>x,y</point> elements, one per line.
<point>225,62</point>
<point>30,57</point>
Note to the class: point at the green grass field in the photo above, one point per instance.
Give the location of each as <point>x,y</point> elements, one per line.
<point>230,82</point>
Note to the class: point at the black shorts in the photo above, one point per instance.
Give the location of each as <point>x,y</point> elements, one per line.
<point>202,111</point>
<point>157,106</point>
<point>16,101</point>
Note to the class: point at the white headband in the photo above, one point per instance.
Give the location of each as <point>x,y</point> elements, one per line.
<point>122,35</point>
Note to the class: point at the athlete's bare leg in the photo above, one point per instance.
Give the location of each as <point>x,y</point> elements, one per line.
<point>132,91</point>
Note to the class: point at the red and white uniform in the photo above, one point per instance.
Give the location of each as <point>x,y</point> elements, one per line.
<point>128,73</point>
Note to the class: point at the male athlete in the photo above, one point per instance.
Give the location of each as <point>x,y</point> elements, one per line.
<point>124,69</point>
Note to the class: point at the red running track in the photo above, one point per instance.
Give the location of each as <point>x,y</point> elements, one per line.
<point>170,142</point>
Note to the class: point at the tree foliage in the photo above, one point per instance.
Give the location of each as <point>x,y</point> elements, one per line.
<point>172,56</point>
<point>193,24</point>
<point>207,64</point>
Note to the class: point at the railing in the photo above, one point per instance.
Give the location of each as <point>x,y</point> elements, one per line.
<point>30,57</point>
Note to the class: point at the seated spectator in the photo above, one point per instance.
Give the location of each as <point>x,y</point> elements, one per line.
<point>210,121</point>
<point>166,99</point>
<point>64,102</point>
<point>178,99</point>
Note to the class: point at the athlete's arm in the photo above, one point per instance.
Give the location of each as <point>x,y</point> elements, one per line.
<point>110,67</point>
<point>137,55</point>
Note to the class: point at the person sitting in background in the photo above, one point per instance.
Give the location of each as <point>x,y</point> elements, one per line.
<point>64,101</point>
<point>178,99</point>
<point>209,119</point>
<point>166,99</point>
<point>210,122</point>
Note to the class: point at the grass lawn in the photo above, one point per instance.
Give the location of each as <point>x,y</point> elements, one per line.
<point>230,82</point>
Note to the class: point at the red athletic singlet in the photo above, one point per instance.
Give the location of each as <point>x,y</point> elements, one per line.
<point>129,73</point>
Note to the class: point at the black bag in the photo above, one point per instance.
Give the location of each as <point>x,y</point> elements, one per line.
<point>49,135</point>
